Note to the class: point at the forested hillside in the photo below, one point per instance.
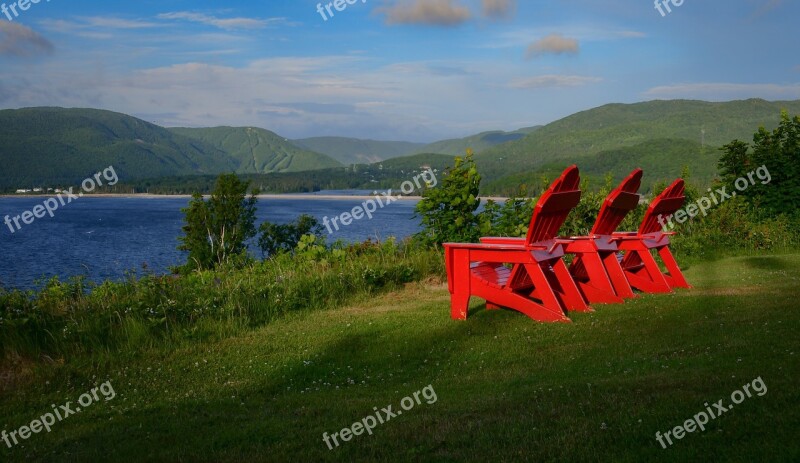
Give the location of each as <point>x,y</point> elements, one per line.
<point>53,146</point>
<point>580,137</point>
<point>259,151</point>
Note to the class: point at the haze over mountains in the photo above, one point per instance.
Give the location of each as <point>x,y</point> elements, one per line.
<point>57,146</point>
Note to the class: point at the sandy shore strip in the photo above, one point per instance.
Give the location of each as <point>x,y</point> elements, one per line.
<point>300,196</point>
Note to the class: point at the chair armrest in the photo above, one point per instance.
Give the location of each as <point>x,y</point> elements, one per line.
<point>503,240</point>
<point>520,242</point>
<point>490,246</point>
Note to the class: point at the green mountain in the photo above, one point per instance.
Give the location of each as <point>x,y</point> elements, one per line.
<point>580,137</point>
<point>375,177</point>
<point>661,159</point>
<point>57,146</point>
<point>258,151</point>
<point>355,151</point>
<point>478,143</point>
<point>416,162</point>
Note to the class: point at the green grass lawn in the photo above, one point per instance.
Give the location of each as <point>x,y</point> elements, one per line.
<point>507,388</point>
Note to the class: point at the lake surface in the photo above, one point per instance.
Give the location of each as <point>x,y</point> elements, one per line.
<point>103,237</point>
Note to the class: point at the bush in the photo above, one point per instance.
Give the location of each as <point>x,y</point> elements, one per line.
<point>217,230</point>
<point>448,211</point>
<point>277,238</point>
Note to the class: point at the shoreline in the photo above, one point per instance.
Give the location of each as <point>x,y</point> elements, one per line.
<point>261,196</point>
<point>300,196</point>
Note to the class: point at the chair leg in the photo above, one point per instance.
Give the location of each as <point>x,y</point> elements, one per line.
<point>571,296</point>
<point>655,281</point>
<point>598,288</point>
<point>461,275</point>
<point>520,303</point>
<point>614,270</point>
<point>675,277</point>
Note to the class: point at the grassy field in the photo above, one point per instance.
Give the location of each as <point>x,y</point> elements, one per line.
<point>507,388</point>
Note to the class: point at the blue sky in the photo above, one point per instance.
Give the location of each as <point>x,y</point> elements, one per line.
<point>416,70</point>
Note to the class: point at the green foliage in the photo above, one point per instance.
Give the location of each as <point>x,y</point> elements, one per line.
<point>312,248</point>
<point>760,217</point>
<point>581,220</point>
<point>735,227</point>
<point>276,238</point>
<point>71,317</point>
<point>217,230</point>
<point>510,218</point>
<point>734,161</point>
<point>448,211</point>
<point>779,152</point>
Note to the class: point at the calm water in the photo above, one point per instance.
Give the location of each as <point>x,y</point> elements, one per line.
<point>103,238</point>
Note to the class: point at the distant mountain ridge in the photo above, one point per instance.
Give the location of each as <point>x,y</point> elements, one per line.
<point>357,151</point>
<point>477,143</point>
<point>57,146</point>
<point>360,151</point>
<point>583,135</point>
<point>259,151</point>
<point>52,146</point>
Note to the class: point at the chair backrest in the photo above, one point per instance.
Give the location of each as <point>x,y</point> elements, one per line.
<point>554,206</point>
<point>618,204</point>
<point>665,204</point>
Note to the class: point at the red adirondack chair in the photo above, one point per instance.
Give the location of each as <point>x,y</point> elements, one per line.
<point>538,283</point>
<point>639,265</point>
<point>595,268</point>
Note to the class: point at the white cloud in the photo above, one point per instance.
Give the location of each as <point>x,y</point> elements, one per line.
<point>22,41</point>
<point>555,44</point>
<point>426,12</point>
<point>94,22</point>
<point>498,8</point>
<point>117,23</point>
<point>296,97</point>
<point>521,37</point>
<point>222,23</point>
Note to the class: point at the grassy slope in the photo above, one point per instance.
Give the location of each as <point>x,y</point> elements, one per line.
<point>259,151</point>
<point>618,125</point>
<point>355,151</point>
<point>56,146</point>
<point>508,389</point>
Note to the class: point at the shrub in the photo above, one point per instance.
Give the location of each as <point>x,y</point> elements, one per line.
<point>217,230</point>
<point>448,211</point>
